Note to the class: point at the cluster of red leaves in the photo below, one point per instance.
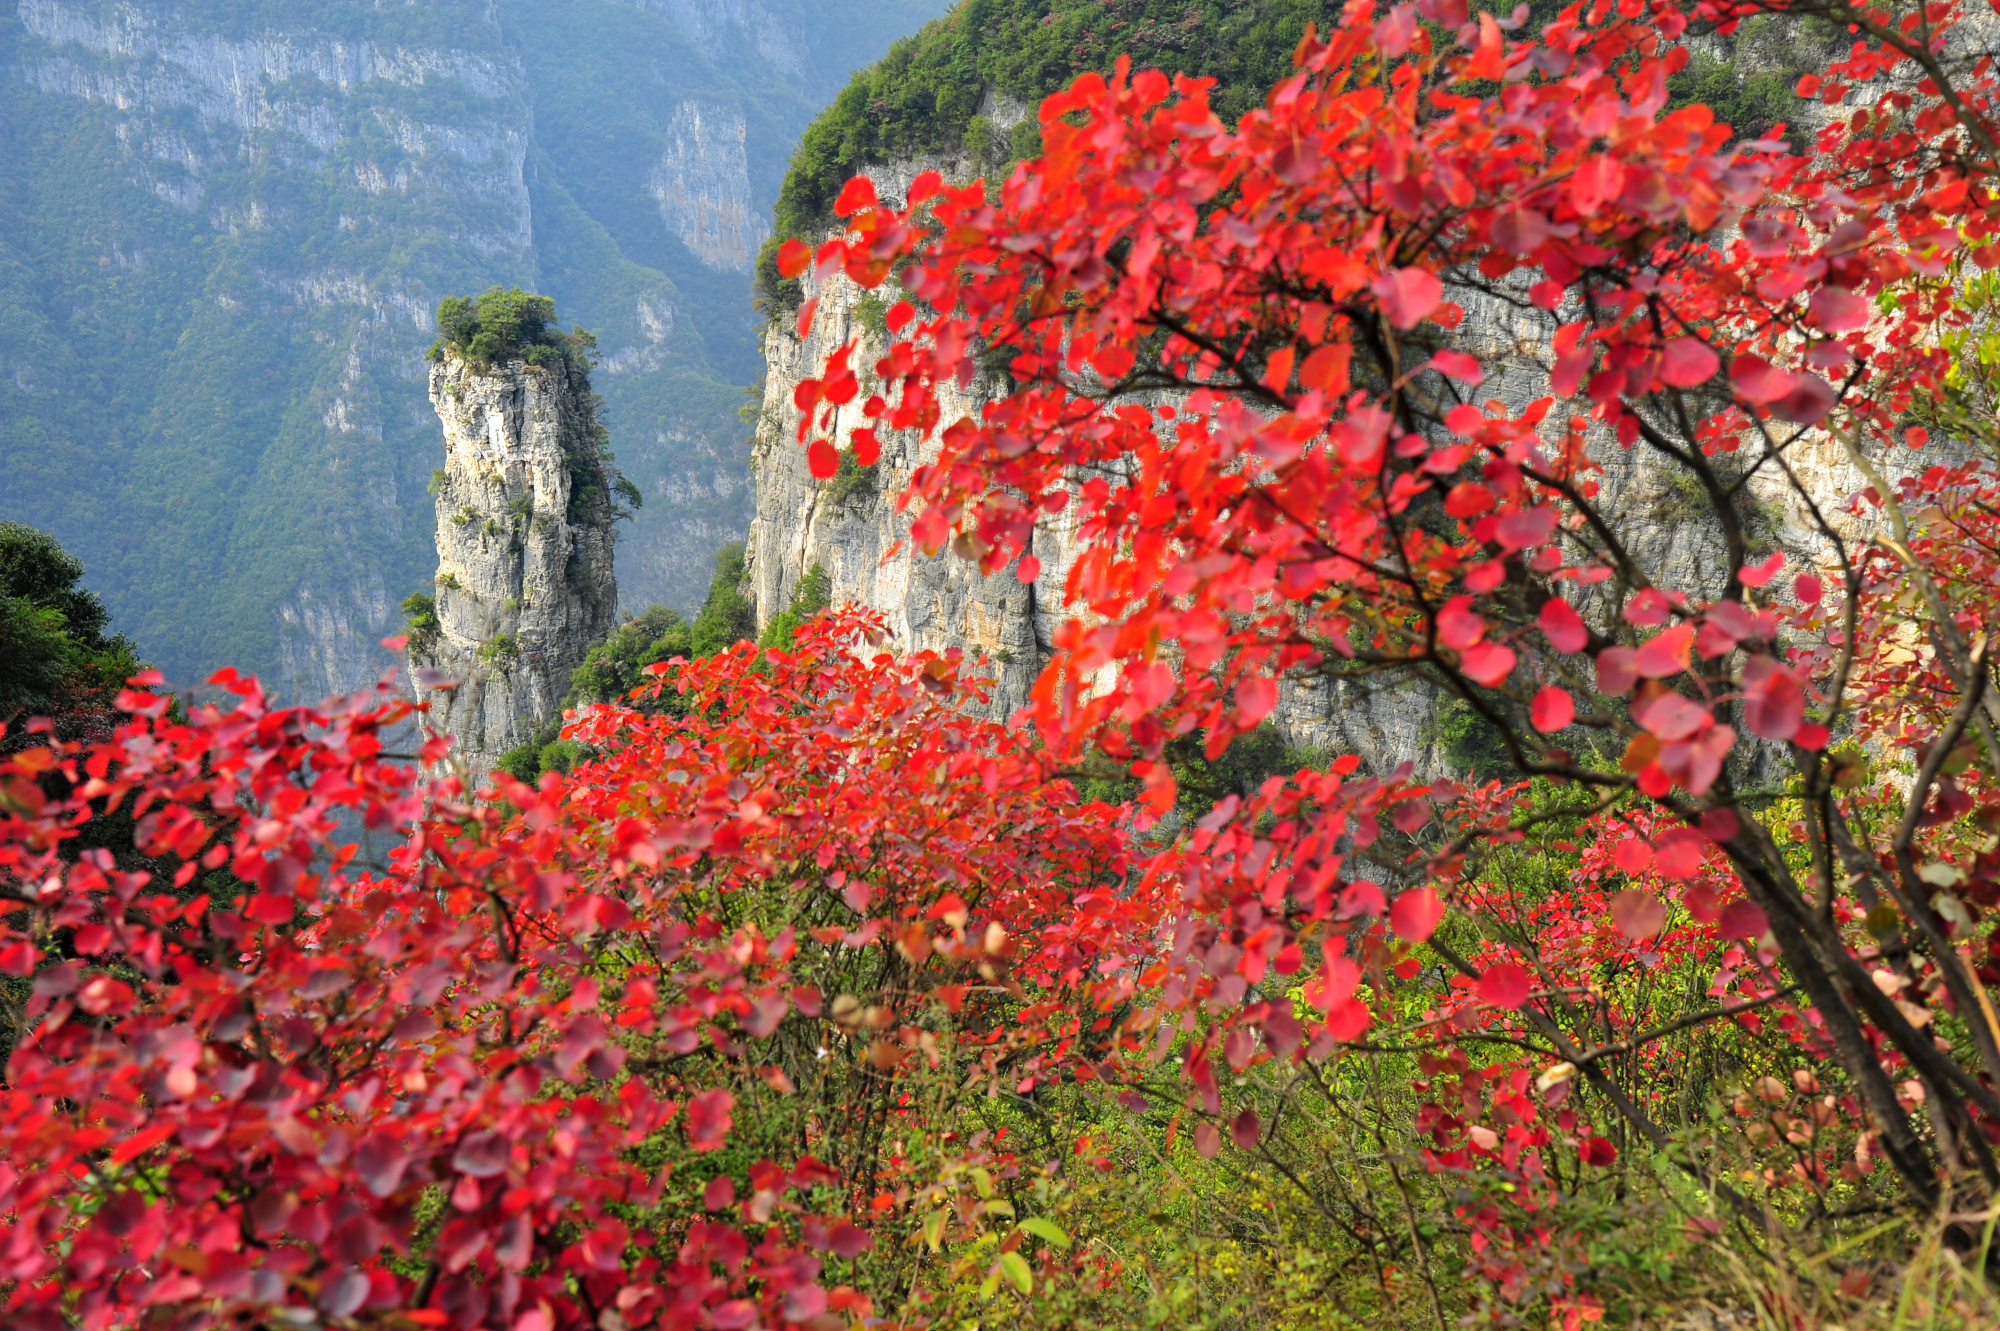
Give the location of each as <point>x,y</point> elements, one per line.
<point>1244,363</point>
<point>235,1090</point>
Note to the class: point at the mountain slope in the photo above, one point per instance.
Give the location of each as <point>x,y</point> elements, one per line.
<point>224,227</point>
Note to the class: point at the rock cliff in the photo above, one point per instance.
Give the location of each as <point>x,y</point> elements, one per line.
<point>524,586</point>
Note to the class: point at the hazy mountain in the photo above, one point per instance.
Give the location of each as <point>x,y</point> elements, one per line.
<point>224,227</point>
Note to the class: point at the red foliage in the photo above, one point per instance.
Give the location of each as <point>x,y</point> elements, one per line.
<point>236,1104</point>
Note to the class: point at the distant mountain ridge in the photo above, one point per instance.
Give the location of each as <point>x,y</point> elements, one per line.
<point>224,227</point>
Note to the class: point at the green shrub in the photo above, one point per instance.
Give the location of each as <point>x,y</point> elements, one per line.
<point>505,322</point>
<point>813,594</point>
<point>499,649</point>
<point>420,618</point>
<point>925,96</point>
<point>727,616</point>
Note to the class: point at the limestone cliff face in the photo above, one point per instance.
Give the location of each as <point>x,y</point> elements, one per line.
<point>848,524</point>
<point>524,585</point>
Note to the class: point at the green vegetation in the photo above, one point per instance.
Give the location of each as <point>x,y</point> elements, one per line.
<point>617,665</point>
<point>727,616</point>
<point>55,657</point>
<point>505,322</point>
<point>813,594</point>
<point>927,96</point>
<point>420,620</point>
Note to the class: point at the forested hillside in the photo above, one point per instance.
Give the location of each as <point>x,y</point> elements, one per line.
<point>223,229</point>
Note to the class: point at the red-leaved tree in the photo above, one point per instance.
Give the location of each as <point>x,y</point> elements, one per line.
<point>1365,390</point>
<point>752,933</point>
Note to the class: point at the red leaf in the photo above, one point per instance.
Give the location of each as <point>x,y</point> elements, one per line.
<point>802,328</point>
<point>1407,295</point>
<point>1563,626</point>
<point>1774,702</point>
<point>1459,625</point>
<point>1807,588</point>
<point>1665,653</point>
<point>1028,569</point>
<point>1837,311</point>
<point>858,193</point>
<point>1207,1140</point>
<point>1348,1019</point>
<point>1245,1130</point>
<point>793,256</point>
<point>1487,663</point>
<point>709,1116</point>
<point>19,958</point>
<point>1595,182</point>
<point>1552,710</point>
<point>1742,919</point>
<point>822,459</point>
<point>1468,499</point>
<point>1632,856</point>
<point>1638,913</point>
<point>1459,366</point>
<point>1756,575</point>
<point>1687,361</point>
<point>1597,1151</point>
<point>1756,380</point>
<point>1682,850</point>
<point>1256,696</point>
<point>1415,914</point>
<point>1505,985</point>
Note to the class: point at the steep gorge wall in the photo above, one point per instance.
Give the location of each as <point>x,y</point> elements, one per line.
<point>848,524</point>
<point>525,585</point>
<point>225,225</point>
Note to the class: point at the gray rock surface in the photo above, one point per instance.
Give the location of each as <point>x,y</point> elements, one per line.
<point>525,585</point>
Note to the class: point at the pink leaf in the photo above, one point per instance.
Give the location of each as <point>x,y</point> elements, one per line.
<point>1671,717</point>
<point>1638,913</point>
<point>709,1116</point>
<point>1837,311</point>
<point>1362,898</point>
<point>1207,1140</point>
<point>1459,625</point>
<point>1808,589</point>
<point>1487,663</point>
<point>1415,914</point>
<point>1666,653</point>
<point>1807,403</point>
<point>1520,230</point>
<point>1615,671</point>
<point>1459,366</point>
<point>1563,626</point>
<point>1742,919</point>
<point>1407,295</point>
<point>1552,710</point>
<point>1687,361</point>
<point>1757,380</point>
<point>1774,702</point>
<point>1256,696</point>
<point>1505,985</point>
<point>1525,527</point>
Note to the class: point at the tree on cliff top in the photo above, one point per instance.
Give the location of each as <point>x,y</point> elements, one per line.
<point>504,322</point>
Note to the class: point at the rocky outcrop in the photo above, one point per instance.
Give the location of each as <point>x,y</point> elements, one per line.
<point>524,585</point>
<point>702,184</point>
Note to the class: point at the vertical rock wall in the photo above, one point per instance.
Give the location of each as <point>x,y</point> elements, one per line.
<point>524,585</point>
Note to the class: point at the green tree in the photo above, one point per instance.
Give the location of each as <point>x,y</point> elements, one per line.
<point>727,616</point>
<point>813,594</point>
<point>54,653</point>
